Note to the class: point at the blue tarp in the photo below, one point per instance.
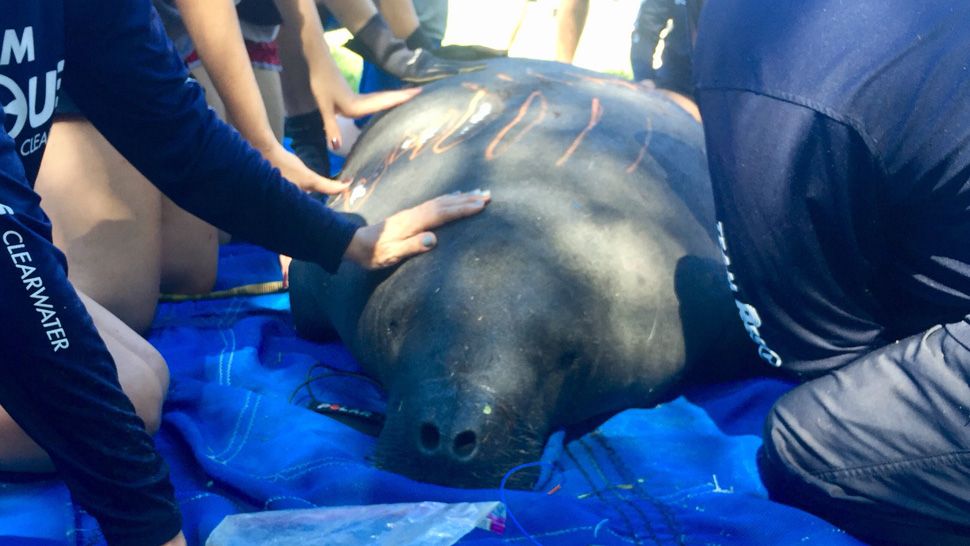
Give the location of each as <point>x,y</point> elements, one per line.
<point>682,473</point>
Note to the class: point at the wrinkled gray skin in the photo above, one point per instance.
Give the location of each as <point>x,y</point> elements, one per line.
<point>583,289</point>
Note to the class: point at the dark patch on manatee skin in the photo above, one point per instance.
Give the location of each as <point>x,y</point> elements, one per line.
<point>592,282</point>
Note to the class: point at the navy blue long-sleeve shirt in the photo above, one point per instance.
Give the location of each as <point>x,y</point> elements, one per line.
<point>58,380</point>
<point>838,137</point>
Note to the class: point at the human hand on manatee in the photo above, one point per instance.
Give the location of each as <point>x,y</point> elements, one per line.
<point>407,234</point>
<point>340,99</point>
<point>294,170</point>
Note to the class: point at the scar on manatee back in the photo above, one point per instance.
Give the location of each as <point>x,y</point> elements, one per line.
<point>361,190</point>
<point>595,114</point>
<point>491,152</point>
<point>355,198</point>
<point>439,146</point>
<point>643,149</point>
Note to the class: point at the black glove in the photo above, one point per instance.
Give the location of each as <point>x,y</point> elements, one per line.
<point>426,67</point>
<point>377,44</point>
<point>419,40</point>
<point>468,53</point>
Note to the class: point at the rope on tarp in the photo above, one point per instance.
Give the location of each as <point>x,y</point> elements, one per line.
<point>258,289</point>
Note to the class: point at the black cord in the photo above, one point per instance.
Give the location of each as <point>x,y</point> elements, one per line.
<point>333,408</point>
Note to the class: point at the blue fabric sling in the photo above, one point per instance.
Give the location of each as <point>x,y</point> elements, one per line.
<point>682,473</point>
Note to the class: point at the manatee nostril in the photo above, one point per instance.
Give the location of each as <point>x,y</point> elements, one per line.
<point>430,437</point>
<point>465,444</point>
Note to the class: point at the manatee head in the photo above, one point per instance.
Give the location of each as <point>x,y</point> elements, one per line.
<point>483,348</point>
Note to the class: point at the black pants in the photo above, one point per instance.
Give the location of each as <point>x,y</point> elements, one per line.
<point>676,69</point>
<point>880,447</point>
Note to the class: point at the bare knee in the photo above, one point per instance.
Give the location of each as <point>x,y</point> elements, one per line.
<point>156,363</point>
<point>151,414</point>
<point>18,452</point>
<point>142,371</point>
<point>146,387</point>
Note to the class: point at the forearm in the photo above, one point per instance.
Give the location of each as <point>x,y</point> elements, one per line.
<point>302,39</point>
<point>214,28</point>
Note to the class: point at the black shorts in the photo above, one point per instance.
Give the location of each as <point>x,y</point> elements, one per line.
<point>259,12</point>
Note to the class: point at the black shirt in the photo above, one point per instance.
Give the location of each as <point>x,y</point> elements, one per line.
<point>838,138</point>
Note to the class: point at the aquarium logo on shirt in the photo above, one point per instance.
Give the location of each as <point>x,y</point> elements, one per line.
<point>749,315</point>
<point>28,89</point>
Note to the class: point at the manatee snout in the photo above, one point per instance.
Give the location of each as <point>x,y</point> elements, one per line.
<point>457,440</point>
<point>456,446</point>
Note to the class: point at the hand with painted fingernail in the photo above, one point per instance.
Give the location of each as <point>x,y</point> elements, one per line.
<point>407,233</point>
<point>341,100</point>
<point>294,170</point>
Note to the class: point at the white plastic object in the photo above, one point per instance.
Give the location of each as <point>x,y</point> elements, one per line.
<point>413,524</point>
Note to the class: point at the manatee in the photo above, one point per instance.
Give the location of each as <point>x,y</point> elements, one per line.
<point>592,283</point>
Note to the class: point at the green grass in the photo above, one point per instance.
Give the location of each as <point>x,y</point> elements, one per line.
<point>349,63</point>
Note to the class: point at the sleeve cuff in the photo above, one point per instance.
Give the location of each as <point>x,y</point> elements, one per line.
<point>333,245</point>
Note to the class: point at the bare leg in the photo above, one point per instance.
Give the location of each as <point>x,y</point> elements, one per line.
<point>106,221</point>
<point>297,96</point>
<point>189,252</point>
<point>112,226</point>
<point>571,18</point>
<point>141,371</point>
<point>400,16</point>
<point>353,14</point>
